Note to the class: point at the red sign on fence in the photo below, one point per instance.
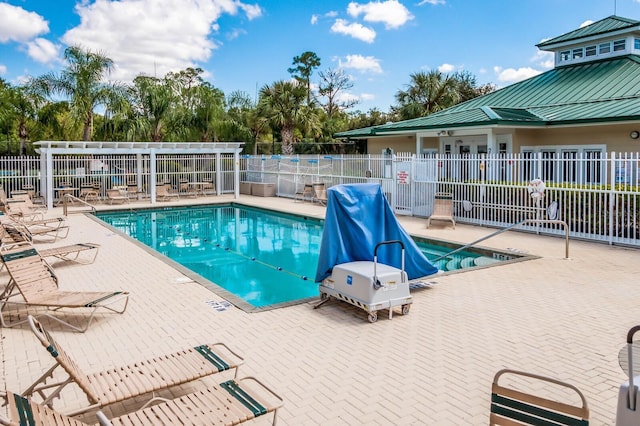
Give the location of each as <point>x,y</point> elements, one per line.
<point>402,177</point>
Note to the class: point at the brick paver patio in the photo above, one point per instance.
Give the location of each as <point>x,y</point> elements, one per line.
<point>566,318</point>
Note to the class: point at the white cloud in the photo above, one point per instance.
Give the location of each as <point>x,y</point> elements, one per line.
<point>367,96</point>
<point>252,11</point>
<point>43,51</point>
<point>152,36</point>
<point>512,75</point>
<point>361,63</point>
<point>433,2</point>
<point>585,23</point>
<point>314,19</point>
<point>16,24</point>
<point>355,30</point>
<point>391,12</point>
<point>3,69</point>
<point>446,68</point>
<point>235,33</point>
<point>347,97</point>
<point>543,59</point>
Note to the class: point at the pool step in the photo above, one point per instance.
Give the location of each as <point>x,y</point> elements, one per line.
<point>485,261</point>
<point>468,262</point>
<point>453,264</point>
<point>441,264</point>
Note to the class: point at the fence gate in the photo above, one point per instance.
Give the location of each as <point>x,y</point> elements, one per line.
<point>402,175</point>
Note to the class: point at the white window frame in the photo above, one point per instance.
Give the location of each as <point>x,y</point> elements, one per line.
<point>581,151</point>
<point>618,43</point>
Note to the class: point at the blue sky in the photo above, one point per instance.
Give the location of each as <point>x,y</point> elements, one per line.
<point>244,45</point>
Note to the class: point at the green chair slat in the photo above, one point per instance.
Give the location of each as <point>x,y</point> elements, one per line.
<point>24,411</point>
<point>531,414</point>
<point>214,359</point>
<point>7,257</point>
<point>95,302</point>
<point>247,400</point>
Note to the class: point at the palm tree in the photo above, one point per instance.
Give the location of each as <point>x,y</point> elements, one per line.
<point>19,107</point>
<point>81,82</point>
<point>427,93</point>
<point>250,123</point>
<point>152,112</point>
<point>206,115</point>
<point>283,103</point>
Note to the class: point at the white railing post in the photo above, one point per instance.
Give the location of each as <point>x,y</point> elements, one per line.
<point>612,196</point>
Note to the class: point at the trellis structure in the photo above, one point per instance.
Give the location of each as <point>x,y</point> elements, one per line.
<point>142,160</point>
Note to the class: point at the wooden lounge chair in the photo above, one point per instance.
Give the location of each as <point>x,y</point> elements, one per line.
<point>34,284</point>
<point>511,406</point>
<point>226,404</point>
<point>442,208</point>
<point>163,193</point>
<point>123,383</point>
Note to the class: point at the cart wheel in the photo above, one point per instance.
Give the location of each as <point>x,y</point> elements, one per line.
<point>373,317</point>
<point>324,296</point>
<point>405,309</point>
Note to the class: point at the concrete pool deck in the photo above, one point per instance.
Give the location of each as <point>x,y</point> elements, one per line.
<point>565,318</point>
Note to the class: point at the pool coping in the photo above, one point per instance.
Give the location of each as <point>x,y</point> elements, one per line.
<point>249,308</point>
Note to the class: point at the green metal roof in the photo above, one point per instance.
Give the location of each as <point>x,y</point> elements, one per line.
<point>601,91</point>
<point>603,26</point>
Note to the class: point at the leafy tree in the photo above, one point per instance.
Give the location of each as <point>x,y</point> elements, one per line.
<point>283,104</point>
<point>468,86</point>
<point>303,68</point>
<point>373,117</point>
<point>82,83</point>
<point>333,84</point>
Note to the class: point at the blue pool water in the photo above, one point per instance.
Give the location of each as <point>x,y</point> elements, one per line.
<point>262,257</point>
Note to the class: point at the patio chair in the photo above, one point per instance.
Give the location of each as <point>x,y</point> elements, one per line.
<point>226,404</point>
<point>511,406</point>
<point>442,208</point>
<point>185,188</point>
<point>34,284</point>
<point>320,193</point>
<point>163,193</point>
<point>21,207</point>
<point>89,192</point>
<point>116,196</point>
<point>207,186</point>
<point>122,383</point>
<point>16,234</point>
<point>306,193</point>
<point>47,230</point>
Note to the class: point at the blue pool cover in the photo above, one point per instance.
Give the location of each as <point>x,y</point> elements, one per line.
<point>359,217</point>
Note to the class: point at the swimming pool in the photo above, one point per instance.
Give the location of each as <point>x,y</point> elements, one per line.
<point>260,258</point>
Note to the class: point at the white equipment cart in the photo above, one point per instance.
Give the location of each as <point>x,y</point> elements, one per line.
<point>371,286</point>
